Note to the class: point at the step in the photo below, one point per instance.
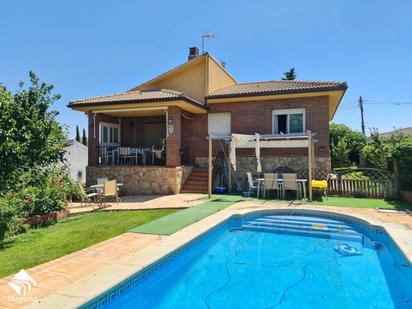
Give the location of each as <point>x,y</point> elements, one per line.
<point>193,191</point>
<point>304,218</point>
<point>196,182</point>
<point>200,178</point>
<point>334,226</point>
<point>307,227</point>
<point>199,171</point>
<point>193,187</point>
<point>198,175</point>
<point>297,231</point>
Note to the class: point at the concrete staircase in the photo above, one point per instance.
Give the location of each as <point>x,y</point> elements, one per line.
<point>196,182</point>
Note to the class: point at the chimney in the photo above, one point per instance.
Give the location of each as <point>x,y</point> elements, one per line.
<point>193,53</point>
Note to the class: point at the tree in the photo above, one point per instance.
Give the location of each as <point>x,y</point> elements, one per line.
<point>30,136</point>
<point>77,134</point>
<point>84,138</point>
<point>384,152</point>
<point>345,145</point>
<point>289,75</point>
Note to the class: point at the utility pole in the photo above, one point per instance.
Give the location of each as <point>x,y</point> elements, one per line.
<point>361,112</point>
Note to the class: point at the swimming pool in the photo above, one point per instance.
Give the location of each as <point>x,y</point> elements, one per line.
<point>275,260</point>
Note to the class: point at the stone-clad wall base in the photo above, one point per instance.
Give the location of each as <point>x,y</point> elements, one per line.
<point>142,179</point>
<point>269,164</point>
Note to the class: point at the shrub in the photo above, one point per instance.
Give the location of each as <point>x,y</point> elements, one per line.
<point>11,222</point>
<point>383,152</point>
<point>41,191</point>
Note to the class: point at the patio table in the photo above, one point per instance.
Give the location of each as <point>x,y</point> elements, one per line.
<point>300,181</point>
<point>101,186</point>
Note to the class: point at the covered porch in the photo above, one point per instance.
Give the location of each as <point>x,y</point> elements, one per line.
<point>132,137</point>
<point>140,145</point>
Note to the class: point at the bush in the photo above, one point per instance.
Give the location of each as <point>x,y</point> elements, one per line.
<point>345,145</point>
<point>11,222</point>
<point>383,152</point>
<point>41,191</point>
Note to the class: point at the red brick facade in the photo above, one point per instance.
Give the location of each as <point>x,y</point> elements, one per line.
<point>189,132</point>
<point>173,141</point>
<point>256,117</point>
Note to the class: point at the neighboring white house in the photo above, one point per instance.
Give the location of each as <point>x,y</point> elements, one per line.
<point>76,158</point>
<point>405,131</point>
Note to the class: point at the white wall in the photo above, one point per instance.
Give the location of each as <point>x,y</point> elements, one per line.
<point>76,159</point>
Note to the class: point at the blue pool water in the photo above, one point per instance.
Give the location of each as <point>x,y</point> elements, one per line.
<point>278,261</point>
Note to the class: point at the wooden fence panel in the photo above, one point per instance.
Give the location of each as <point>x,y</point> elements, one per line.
<point>360,187</point>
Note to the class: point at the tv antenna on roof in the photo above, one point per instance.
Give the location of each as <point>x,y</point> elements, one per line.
<point>206,36</point>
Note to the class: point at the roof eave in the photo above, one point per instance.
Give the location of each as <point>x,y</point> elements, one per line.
<point>264,93</point>
<point>181,98</point>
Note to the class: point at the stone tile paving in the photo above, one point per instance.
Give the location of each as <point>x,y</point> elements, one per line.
<point>145,202</point>
<point>71,280</point>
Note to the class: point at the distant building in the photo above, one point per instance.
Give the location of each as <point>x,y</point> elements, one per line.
<point>405,131</point>
<point>76,158</point>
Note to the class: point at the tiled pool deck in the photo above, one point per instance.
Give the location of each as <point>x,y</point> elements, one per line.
<point>72,280</point>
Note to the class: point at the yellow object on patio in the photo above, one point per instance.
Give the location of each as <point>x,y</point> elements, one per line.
<point>319,184</point>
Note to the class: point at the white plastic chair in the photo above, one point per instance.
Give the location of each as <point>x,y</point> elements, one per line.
<point>252,184</point>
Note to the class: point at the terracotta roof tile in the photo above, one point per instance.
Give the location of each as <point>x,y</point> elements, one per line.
<point>133,97</point>
<point>276,87</point>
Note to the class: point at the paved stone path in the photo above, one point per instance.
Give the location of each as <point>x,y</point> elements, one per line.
<point>71,280</point>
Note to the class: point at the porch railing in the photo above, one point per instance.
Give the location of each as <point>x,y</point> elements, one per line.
<point>119,155</point>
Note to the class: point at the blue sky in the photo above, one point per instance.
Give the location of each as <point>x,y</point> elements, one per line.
<point>89,48</point>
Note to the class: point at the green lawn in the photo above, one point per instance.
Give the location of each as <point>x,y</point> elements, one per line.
<point>68,235</point>
<point>347,202</point>
<point>362,202</point>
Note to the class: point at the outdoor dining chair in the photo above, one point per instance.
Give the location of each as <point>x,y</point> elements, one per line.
<point>290,183</point>
<point>102,180</point>
<point>252,184</point>
<point>88,195</point>
<point>125,155</point>
<point>271,183</point>
<point>109,191</point>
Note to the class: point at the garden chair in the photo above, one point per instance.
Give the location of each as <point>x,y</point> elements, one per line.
<point>87,195</point>
<point>251,183</point>
<point>290,183</point>
<point>102,180</point>
<point>271,183</point>
<point>109,191</point>
<point>125,155</point>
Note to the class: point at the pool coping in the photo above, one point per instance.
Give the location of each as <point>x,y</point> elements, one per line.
<point>96,285</point>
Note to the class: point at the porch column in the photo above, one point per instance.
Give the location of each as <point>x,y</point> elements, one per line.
<point>93,139</point>
<point>173,142</point>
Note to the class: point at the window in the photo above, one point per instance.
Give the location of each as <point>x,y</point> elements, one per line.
<point>288,121</point>
<point>219,124</point>
<point>110,133</point>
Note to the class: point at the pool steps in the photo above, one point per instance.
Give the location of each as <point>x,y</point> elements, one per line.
<point>305,226</point>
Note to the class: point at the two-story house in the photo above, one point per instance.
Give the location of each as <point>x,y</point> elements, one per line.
<point>151,136</point>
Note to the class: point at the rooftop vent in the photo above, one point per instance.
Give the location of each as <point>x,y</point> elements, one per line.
<point>193,53</point>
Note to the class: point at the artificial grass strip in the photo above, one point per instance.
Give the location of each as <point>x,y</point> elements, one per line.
<point>174,222</point>
<point>362,202</point>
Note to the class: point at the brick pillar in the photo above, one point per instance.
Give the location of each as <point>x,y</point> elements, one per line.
<point>93,140</point>
<point>173,142</point>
